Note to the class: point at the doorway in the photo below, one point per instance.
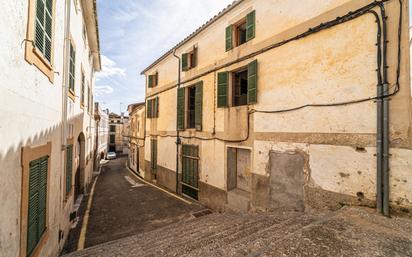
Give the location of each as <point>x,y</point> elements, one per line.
<point>238,169</point>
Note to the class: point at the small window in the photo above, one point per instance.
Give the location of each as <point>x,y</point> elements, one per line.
<point>191,104</point>
<point>241,33</point>
<point>72,67</point>
<point>153,80</point>
<point>82,91</point>
<point>239,88</point>
<point>112,128</point>
<point>189,60</point>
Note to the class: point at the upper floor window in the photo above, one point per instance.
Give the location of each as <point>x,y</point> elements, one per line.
<point>72,67</point>
<point>239,86</point>
<point>153,80</point>
<point>189,107</point>
<point>189,60</point>
<point>241,32</point>
<point>39,41</point>
<point>82,90</point>
<point>153,108</point>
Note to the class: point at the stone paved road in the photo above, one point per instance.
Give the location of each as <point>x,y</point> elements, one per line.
<point>123,206</point>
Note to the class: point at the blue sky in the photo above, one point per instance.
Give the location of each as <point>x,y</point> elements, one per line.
<point>134,33</point>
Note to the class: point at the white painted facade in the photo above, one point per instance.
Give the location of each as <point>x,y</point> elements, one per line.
<point>31,110</point>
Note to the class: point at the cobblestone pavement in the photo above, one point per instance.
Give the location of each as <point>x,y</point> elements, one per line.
<point>138,220</point>
<point>123,206</point>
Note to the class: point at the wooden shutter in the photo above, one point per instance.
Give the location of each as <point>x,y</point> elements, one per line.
<point>222,89</point>
<point>252,78</point>
<point>194,59</point>
<point>37,202</point>
<point>155,108</point>
<point>72,67</point>
<point>150,82</point>
<point>181,109</point>
<point>154,154</point>
<point>198,106</point>
<point>69,168</point>
<point>43,27</point>
<point>156,78</point>
<point>185,62</point>
<point>250,25</point>
<point>82,96</point>
<point>149,109</point>
<point>229,38</point>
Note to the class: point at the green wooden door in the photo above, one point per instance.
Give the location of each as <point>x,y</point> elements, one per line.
<point>190,170</point>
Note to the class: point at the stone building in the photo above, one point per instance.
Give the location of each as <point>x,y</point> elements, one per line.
<point>102,133</point>
<point>136,137</point>
<point>118,133</point>
<point>286,104</point>
<point>50,56</point>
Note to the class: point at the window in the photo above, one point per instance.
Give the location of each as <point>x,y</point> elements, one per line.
<point>241,32</point>
<point>243,85</point>
<point>88,99</point>
<point>239,89</point>
<point>194,107</point>
<point>153,160</point>
<point>191,97</point>
<point>189,60</point>
<point>69,168</point>
<point>112,128</point>
<point>43,28</point>
<point>190,170</point>
<point>37,205</point>
<point>153,80</point>
<point>112,139</point>
<point>39,43</point>
<point>72,68</point>
<point>84,34</point>
<point>82,91</point>
<point>152,109</point>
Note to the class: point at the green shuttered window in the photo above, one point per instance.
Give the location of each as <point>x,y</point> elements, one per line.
<point>185,62</point>
<point>222,89</point>
<point>72,68</point>
<point>229,38</point>
<point>250,25</point>
<point>43,28</point>
<point>69,168</point>
<point>153,80</point>
<point>252,82</point>
<point>37,206</point>
<point>152,110</point>
<point>82,91</point>
<point>153,154</point>
<point>181,109</point>
<point>198,106</point>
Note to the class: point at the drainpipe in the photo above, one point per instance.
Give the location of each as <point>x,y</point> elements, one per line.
<point>178,142</point>
<point>65,92</point>
<point>385,117</point>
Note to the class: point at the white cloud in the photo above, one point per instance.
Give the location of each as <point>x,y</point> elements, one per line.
<point>110,69</point>
<point>103,90</point>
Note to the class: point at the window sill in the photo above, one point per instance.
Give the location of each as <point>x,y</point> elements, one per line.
<point>34,57</point>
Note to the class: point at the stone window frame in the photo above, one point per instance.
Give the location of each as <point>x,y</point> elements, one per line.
<point>28,154</point>
<point>32,55</point>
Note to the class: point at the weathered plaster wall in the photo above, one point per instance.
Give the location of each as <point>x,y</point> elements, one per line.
<point>31,113</point>
<point>335,65</point>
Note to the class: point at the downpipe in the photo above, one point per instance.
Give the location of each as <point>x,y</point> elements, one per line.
<point>178,140</point>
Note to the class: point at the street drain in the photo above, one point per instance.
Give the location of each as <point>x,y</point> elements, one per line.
<point>201,213</point>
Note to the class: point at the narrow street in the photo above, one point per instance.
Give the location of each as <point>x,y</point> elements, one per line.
<point>130,218</point>
<point>122,206</point>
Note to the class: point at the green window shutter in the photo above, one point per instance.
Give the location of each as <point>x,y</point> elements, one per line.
<point>72,67</point>
<point>82,93</point>
<point>185,62</point>
<point>198,106</point>
<point>156,78</point>
<point>229,38</point>
<point>154,154</point>
<point>222,89</point>
<point>155,108</point>
<point>150,82</point>
<point>69,168</point>
<point>252,79</point>
<point>181,109</point>
<point>43,27</point>
<point>37,202</point>
<point>149,109</point>
<point>250,25</point>
<point>194,60</point>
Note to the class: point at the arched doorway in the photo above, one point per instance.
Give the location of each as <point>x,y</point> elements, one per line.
<point>81,163</point>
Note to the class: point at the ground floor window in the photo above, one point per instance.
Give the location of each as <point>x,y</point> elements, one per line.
<point>190,170</point>
<point>37,205</point>
<point>153,155</point>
